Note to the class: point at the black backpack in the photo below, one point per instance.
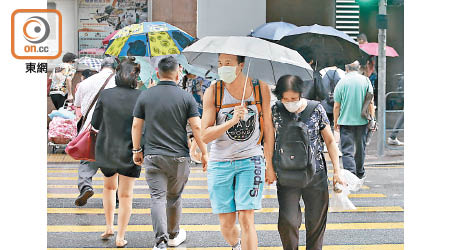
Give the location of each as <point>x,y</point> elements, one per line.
<point>333,82</point>
<point>294,162</point>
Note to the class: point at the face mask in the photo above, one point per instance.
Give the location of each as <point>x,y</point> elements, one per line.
<point>227,73</point>
<point>292,106</point>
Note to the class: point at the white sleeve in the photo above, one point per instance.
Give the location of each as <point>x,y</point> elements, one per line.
<point>79,95</point>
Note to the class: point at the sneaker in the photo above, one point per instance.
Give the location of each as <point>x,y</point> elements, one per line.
<point>178,239</point>
<point>362,176</point>
<point>237,246</point>
<point>161,246</point>
<point>85,194</point>
<point>394,142</point>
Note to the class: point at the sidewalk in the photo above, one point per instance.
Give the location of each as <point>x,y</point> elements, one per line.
<point>391,156</point>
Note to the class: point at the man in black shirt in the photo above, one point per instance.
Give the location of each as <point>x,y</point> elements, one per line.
<point>164,111</point>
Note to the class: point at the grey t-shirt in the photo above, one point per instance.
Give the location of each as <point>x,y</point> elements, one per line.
<point>166,109</point>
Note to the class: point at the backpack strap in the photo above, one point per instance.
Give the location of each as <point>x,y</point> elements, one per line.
<point>218,97</point>
<point>310,107</point>
<point>258,100</point>
<point>332,80</point>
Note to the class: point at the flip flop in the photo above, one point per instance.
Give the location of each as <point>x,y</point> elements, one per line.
<point>123,245</point>
<point>106,236</point>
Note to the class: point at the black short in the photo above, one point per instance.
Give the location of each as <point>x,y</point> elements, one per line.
<point>133,172</point>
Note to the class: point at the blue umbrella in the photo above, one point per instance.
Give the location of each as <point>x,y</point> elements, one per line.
<point>326,45</point>
<point>148,39</point>
<point>273,31</point>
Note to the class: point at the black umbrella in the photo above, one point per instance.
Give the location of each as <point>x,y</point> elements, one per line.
<point>324,44</point>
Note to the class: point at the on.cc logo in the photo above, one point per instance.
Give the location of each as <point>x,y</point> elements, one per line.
<point>39,26</point>
<point>36,34</point>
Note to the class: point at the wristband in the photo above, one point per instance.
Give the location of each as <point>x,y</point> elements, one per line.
<point>135,151</point>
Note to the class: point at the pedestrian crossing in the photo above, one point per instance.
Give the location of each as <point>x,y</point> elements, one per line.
<point>376,224</point>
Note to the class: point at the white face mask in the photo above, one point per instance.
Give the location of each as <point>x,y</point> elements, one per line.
<point>292,106</point>
<point>227,73</point>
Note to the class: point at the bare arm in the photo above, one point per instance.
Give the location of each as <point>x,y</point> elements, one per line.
<point>136,134</point>
<point>336,113</point>
<point>333,150</point>
<point>195,124</point>
<point>69,88</point>
<point>209,130</point>
<point>269,134</point>
<point>372,108</point>
<point>328,137</point>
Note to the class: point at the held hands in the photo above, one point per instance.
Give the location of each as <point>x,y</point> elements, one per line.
<point>239,114</point>
<point>336,127</point>
<point>205,161</point>
<point>138,158</point>
<point>270,175</point>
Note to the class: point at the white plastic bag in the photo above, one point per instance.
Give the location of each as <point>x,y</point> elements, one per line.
<point>339,201</point>
<point>353,182</point>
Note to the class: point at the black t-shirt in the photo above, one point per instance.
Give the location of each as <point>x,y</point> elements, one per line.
<point>166,109</point>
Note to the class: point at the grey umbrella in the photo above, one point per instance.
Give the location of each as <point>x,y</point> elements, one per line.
<point>268,61</point>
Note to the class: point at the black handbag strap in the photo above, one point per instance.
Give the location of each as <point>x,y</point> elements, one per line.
<point>95,98</point>
<point>332,80</point>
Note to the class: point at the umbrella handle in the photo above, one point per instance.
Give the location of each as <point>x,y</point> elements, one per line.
<point>245,84</point>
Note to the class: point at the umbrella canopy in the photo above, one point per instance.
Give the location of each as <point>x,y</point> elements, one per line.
<point>108,38</point>
<point>148,39</point>
<point>372,49</point>
<point>195,70</point>
<point>273,31</point>
<point>269,61</point>
<point>92,63</point>
<point>92,51</point>
<point>326,45</point>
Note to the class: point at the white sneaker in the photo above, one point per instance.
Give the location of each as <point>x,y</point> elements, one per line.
<point>160,246</point>
<point>394,142</point>
<point>180,238</point>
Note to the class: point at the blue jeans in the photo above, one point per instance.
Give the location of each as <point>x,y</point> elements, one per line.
<point>353,144</point>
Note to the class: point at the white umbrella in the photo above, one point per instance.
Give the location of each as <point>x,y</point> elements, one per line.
<point>92,63</point>
<point>269,61</point>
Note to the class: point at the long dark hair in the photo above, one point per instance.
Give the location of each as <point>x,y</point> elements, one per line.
<point>127,73</point>
<point>286,83</point>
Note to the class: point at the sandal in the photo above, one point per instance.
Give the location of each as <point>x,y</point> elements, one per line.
<point>106,236</point>
<point>124,243</point>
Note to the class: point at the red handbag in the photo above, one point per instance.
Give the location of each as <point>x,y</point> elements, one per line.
<point>83,146</point>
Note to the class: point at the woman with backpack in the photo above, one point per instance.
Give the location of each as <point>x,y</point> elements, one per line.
<point>301,127</point>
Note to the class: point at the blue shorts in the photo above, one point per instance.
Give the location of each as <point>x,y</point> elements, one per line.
<point>236,185</point>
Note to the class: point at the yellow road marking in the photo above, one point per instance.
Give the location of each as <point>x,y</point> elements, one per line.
<point>197,196</point>
<point>204,187</point>
<point>135,187</point>
<point>204,210</point>
<point>73,171</point>
<point>386,167</point>
<point>203,228</point>
<point>330,247</point>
